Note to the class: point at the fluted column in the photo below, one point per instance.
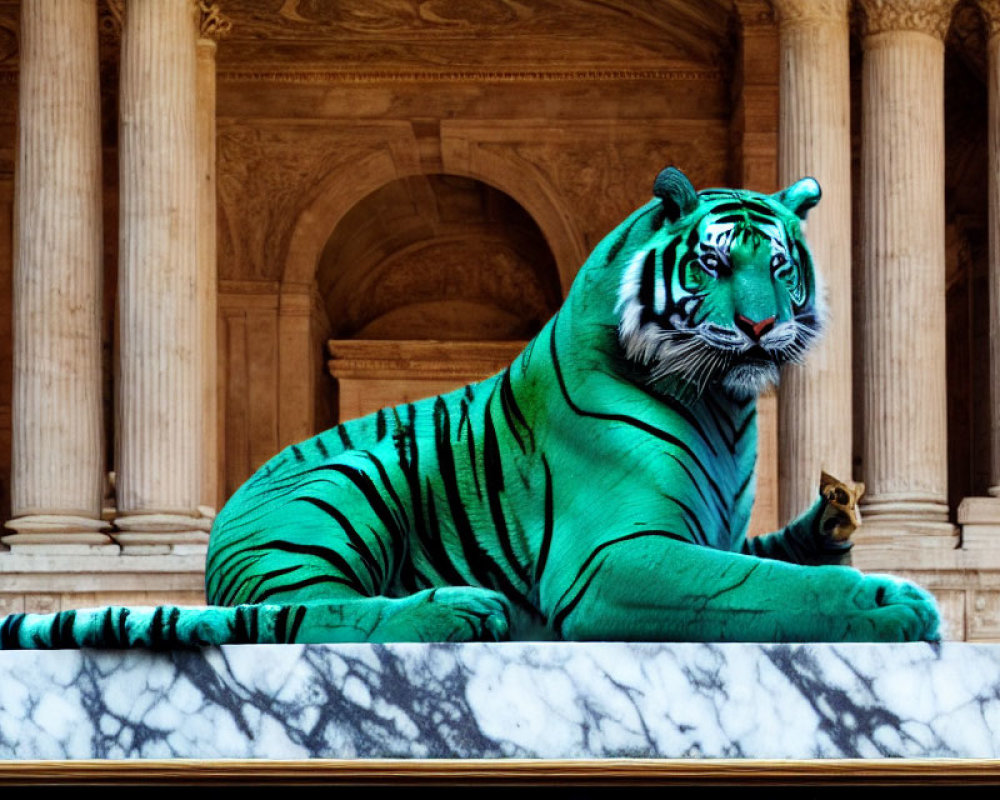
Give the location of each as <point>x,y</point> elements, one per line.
<point>212,24</point>
<point>58,459</point>
<point>159,465</point>
<point>905,442</point>
<point>991,10</point>
<point>814,410</point>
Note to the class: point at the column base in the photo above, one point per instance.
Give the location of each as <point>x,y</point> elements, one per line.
<point>980,521</point>
<point>159,534</point>
<point>881,544</point>
<point>904,509</point>
<point>62,534</point>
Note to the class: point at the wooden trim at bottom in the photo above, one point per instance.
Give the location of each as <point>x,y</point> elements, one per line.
<point>508,772</point>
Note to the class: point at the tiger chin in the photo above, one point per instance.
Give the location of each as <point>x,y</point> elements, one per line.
<point>599,488</point>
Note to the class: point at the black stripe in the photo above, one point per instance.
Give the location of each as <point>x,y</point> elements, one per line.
<point>744,426</point>
<point>470,441</point>
<point>647,288</point>
<point>367,487</point>
<point>235,569</point>
<point>108,636</point>
<point>626,420</point>
<point>344,438</point>
<point>156,629</point>
<point>699,531</point>
<point>241,630</point>
<point>10,631</point>
<point>332,557</point>
<point>300,614</point>
<point>434,548</point>
<point>355,543</point>
<point>475,557</point>
<point>391,491</point>
<point>297,453</point>
<point>280,624</point>
<point>558,619</point>
<point>266,578</point>
<point>171,630</point>
<point>543,550</point>
<point>493,478</point>
<point>123,616</point>
<point>509,408</point>
<point>721,506</point>
<point>291,587</point>
<point>61,633</point>
<point>380,425</point>
<point>322,447</point>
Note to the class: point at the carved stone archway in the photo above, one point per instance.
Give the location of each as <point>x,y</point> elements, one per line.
<point>335,197</point>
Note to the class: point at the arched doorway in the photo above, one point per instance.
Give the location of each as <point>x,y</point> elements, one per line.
<point>430,282</point>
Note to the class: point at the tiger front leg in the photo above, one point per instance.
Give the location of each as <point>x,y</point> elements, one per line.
<point>654,588</point>
<point>822,534</point>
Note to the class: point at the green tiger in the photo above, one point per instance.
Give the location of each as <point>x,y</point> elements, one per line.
<point>598,488</point>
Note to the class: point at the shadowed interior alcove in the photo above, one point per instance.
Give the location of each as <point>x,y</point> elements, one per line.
<point>430,282</point>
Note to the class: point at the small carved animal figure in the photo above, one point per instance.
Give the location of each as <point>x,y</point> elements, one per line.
<point>598,488</point>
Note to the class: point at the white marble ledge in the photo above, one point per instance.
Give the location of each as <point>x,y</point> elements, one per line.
<point>511,700</point>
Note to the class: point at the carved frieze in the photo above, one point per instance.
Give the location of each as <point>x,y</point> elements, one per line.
<point>922,16</point>
<point>432,35</point>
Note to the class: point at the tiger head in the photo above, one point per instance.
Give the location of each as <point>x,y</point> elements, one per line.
<point>723,292</point>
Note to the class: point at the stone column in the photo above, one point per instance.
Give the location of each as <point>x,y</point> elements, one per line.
<point>58,459</point>
<point>211,26</point>
<point>814,409</point>
<point>991,10</point>
<point>159,464</point>
<point>905,444</point>
<point>980,516</point>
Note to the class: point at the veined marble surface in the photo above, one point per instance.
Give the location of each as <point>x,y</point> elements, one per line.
<point>524,700</point>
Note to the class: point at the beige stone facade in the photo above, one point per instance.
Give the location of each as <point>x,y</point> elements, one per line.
<point>226,225</point>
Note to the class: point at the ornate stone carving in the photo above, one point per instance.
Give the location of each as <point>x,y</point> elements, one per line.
<point>922,16</point>
<point>212,23</point>
<point>991,11</point>
<point>799,11</point>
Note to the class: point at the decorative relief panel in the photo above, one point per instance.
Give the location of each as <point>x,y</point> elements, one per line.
<point>268,173</point>
<point>602,170</point>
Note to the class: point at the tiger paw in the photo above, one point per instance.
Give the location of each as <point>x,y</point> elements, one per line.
<point>889,609</point>
<point>449,614</point>
<point>840,516</point>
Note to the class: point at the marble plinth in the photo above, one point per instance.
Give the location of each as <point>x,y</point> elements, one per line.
<point>518,700</point>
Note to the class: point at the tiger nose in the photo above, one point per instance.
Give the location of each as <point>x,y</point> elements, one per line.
<point>754,329</point>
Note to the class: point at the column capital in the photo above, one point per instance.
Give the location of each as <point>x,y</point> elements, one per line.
<point>921,16</point>
<point>791,12</point>
<point>212,23</point>
<point>991,12</point>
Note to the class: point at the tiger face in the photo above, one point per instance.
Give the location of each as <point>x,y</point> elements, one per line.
<point>724,292</point>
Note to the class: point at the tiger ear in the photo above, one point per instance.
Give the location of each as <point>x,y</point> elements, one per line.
<point>800,196</point>
<point>675,190</point>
